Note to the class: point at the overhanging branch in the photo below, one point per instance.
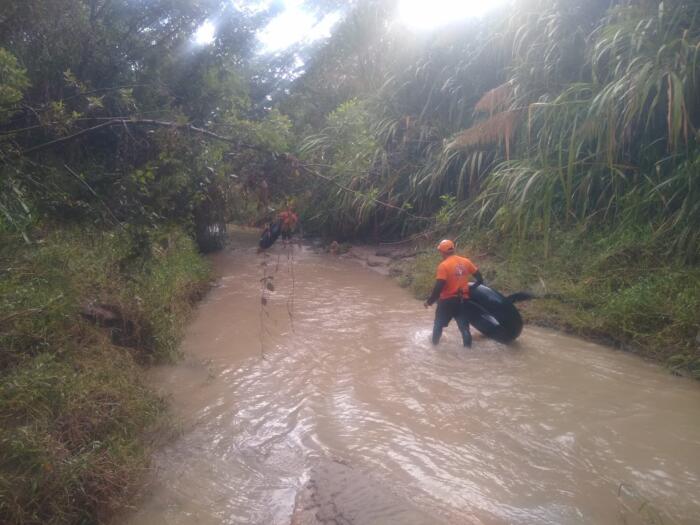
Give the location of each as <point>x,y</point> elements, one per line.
<point>140,122</point>
<point>231,140</point>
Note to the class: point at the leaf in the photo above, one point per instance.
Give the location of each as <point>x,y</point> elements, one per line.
<point>95,102</point>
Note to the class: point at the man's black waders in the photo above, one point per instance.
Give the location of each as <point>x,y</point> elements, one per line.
<point>453,308</point>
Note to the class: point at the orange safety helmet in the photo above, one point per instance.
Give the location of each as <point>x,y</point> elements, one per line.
<point>446,246</point>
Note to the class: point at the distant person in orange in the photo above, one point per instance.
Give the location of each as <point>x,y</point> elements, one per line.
<point>451,292</point>
<point>288,220</point>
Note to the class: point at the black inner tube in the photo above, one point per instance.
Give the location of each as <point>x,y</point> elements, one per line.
<point>270,235</point>
<point>493,315</point>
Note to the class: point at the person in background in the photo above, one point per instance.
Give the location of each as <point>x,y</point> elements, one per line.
<point>288,220</point>
<point>451,291</point>
<point>334,248</point>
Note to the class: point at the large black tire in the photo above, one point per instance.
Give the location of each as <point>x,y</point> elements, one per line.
<point>211,237</point>
<point>270,235</point>
<point>494,315</point>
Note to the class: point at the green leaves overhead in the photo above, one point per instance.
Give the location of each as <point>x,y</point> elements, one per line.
<point>78,73</point>
<point>556,113</point>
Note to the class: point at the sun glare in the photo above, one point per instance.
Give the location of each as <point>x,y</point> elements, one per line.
<point>205,34</point>
<point>294,25</point>
<point>429,14</point>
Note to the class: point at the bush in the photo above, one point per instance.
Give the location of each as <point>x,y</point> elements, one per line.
<point>76,420</point>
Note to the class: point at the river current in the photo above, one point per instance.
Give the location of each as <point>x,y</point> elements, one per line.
<point>329,405</point>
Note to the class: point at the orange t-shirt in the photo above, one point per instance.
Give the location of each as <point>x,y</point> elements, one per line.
<point>289,219</point>
<point>455,271</point>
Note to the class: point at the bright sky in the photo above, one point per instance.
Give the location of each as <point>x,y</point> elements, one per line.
<point>205,33</point>
<point>430,14</point>
<point>294,24</point>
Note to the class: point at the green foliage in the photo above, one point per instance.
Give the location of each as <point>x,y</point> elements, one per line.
<point>664,306</point>
<point>166,275</point>
<point>13,82</point>
<point>419,275</point>
<point>148,275</point>
<point>346,149</point>
<point>346,142</point>
<point>273,132</point>
<point>608,144</point>
<point>88,61</point>
<point>14,208</point>
<point>76,420</point>
<point>73,436</point>
<point>558,115</point>
<point>446,214</point>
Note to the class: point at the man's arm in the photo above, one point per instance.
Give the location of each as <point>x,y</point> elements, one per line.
<point>435,295</point>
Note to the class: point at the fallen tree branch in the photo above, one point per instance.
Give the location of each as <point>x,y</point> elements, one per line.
<point>231,140</point>
<point>67,138</point>
<point>139,122</point>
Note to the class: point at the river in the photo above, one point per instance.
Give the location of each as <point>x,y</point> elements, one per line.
<point>344,413</point>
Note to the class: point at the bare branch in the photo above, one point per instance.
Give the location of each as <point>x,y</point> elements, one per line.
<point>140,122</point>
<point>231,140</point>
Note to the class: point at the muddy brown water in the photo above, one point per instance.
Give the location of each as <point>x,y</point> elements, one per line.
<point>353,417</point>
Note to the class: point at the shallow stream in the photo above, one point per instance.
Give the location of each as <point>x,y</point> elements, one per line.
<point>344,413</point>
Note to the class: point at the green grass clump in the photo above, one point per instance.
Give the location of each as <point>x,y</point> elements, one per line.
<point>160,291</point>
<point>72,435</point>
<point>149,278</point>
<point>76,420</point>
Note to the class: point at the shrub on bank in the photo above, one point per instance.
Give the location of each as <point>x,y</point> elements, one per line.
<point>76,420</point>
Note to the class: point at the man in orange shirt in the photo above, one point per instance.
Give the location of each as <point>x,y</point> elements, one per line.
<point>451,292</point>
<point>289,221</point>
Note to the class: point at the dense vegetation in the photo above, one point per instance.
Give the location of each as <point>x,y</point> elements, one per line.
<point>76,419</point>
<point>104,107</point>
<point>556,139</point>
<point>556,114</point>
<point>118,141</point>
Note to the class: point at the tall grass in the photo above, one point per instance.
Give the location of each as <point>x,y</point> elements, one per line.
<point>615,144</point>
<point>76,419</point>
<point>561,114</point>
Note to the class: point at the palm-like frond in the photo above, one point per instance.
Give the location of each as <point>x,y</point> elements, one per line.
<point>558,114</point>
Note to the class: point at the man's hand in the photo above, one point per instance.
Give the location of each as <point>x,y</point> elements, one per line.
<point>426,304</point>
